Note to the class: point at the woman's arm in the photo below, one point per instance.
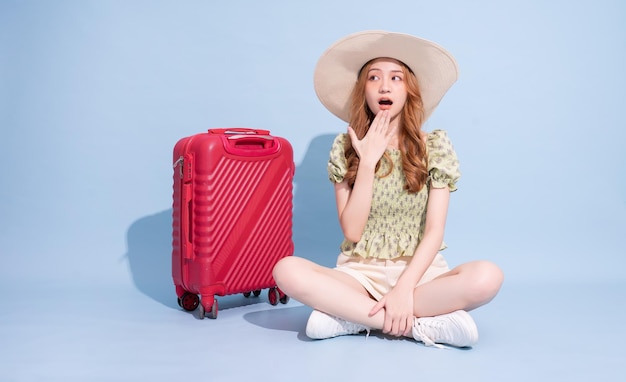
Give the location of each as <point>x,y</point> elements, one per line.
<point>429,246</point>
<point>353,205</point>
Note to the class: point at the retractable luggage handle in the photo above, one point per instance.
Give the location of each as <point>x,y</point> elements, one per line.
<point>248,142</point>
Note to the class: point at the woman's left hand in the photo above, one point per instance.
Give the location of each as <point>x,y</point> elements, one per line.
<point>398,306</point>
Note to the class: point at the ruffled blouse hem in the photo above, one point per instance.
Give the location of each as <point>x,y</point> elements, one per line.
<point>382,246</point>
<point>370,248</point>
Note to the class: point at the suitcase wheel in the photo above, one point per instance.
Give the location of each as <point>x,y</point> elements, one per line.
<point>211,314</point>
<point>256,293</point>
<point>189,301</point>
<point>275,295</point>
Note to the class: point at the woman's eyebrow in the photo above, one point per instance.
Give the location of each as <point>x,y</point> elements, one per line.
<point>391,71</point>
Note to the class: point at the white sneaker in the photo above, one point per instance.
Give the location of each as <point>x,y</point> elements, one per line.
<point>456,329</point>
<point>322,325</point>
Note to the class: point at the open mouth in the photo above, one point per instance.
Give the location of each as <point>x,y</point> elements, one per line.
<point>387,102</point>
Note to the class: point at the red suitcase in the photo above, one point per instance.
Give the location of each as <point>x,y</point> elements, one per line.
<point>232,215</point>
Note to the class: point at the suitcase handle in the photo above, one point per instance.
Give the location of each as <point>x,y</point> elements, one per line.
<point>250,145</point>
<point>247,137</point>
<point>239,130</point>
<point>186,223</point>
<point>246,142</point>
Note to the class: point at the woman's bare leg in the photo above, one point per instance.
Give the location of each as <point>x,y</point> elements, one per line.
<point>328,290</point>
<point>465,287</point>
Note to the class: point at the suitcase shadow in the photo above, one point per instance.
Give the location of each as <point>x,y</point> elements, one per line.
<point>316,231</point>
<point>149,255</point>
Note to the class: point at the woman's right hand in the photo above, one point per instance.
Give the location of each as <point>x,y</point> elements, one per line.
<point>372,147</point>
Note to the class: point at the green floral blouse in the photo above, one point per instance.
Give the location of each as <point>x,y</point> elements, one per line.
<point>396,221</point>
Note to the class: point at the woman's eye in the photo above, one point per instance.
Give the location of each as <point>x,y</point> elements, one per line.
<point>397,78</point>
<point>373,78</point>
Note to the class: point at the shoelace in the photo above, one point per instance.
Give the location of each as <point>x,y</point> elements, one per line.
<point>352,327</point>
<point>419,330</point>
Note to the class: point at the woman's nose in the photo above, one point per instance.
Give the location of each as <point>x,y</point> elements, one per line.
<point>384,87</point>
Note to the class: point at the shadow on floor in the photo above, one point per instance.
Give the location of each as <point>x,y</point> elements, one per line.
<point>292,319</point>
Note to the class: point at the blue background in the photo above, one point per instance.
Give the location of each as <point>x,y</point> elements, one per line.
<point>94,95</point>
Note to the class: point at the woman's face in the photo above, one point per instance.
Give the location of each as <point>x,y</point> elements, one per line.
<point>385,87</point>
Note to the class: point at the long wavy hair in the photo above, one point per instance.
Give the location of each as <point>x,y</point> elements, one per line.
<point>411,145</point>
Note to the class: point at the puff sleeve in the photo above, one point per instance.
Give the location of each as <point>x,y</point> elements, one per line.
<point>443,164</point>
<point>337,166</point>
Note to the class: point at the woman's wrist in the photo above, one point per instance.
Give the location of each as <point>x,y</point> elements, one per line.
<point>405,284</point>
<point>367,167</point>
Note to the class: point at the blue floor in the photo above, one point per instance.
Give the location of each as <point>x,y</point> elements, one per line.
<point>117,333</point>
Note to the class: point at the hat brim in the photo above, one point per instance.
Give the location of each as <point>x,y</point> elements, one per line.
<point>337,69</point>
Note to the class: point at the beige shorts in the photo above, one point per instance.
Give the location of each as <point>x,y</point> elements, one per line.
<point>378,276</point>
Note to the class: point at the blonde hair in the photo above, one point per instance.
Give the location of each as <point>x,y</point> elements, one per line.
<point>411,144</point>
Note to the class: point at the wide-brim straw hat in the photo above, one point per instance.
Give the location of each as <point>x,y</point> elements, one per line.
<point>338,67</point>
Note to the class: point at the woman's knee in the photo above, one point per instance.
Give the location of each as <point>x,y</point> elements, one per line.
<point>486,280</point>
<point>288,272</point>
<point>283,269</point>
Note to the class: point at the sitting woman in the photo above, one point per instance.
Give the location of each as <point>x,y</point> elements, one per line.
<point>392,187</point>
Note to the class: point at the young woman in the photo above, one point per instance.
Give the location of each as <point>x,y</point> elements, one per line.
<point>392,187</point>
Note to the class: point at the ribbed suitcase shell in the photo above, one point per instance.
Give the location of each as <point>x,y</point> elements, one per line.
<point>232,214</point>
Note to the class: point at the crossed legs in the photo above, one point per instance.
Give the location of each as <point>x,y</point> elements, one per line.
<point>465,287</point>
